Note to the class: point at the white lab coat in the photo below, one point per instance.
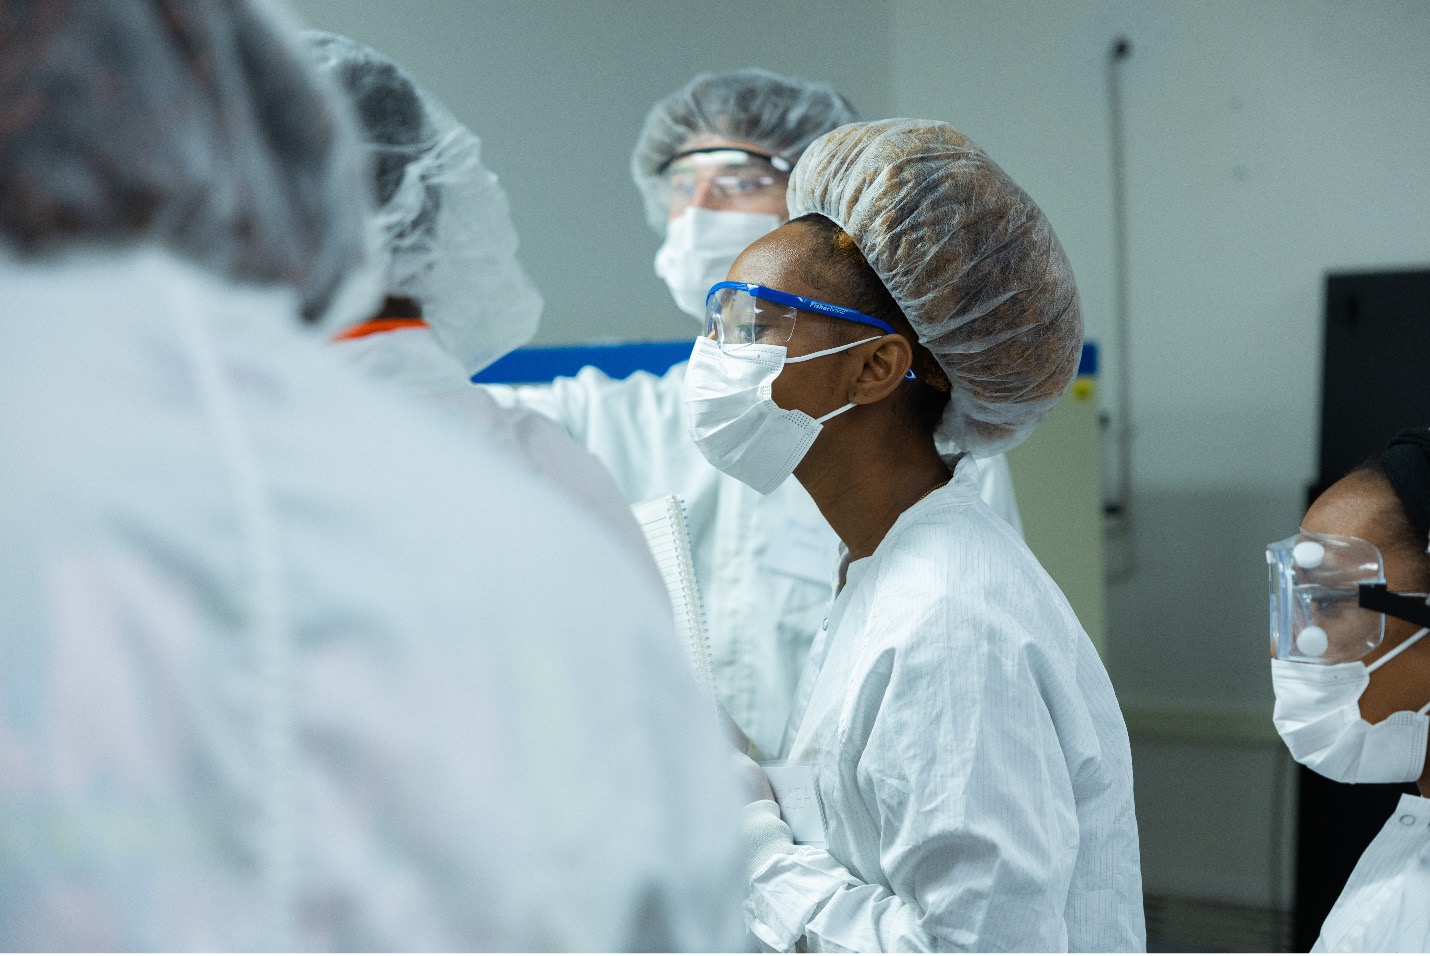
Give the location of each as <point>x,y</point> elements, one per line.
<point>284,665</point>
<point>762,562</point>
<point>413,361</point>
<point>1385,907</point>
<point>970,755</point>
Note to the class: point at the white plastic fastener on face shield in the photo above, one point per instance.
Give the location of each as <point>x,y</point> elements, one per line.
<point>1312,641</point>
<point>1309,554</point>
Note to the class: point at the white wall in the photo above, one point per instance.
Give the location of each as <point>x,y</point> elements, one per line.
<point>557,91</point>
<point>1267,143</point>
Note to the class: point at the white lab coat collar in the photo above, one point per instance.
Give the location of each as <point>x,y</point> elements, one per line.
<point>963,487</point>
<point>1383,908</point>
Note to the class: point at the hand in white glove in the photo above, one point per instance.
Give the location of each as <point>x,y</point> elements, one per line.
<point>766,835</point>
<point>754,785</point>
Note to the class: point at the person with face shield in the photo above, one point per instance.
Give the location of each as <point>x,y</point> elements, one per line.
<point>277,667</point>
<point>1351,673</point>
<point>954,720</point>
<point>712,164</point>
<point>456,298</point>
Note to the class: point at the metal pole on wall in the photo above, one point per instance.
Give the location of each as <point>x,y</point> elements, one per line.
<point>1118,507</point>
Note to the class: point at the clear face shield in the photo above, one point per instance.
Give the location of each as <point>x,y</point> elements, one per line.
<point>1329,599</point>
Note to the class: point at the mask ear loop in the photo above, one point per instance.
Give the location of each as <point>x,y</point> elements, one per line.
<point>908,376</point>
<point>837,348</point>
<point>1402,646</point>
<point>1376,597</point>
<point>823,352</point>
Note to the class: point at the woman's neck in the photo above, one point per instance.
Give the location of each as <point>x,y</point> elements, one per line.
<point>861,493</point>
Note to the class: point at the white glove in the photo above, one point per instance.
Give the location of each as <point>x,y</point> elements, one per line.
<point>766,835</point>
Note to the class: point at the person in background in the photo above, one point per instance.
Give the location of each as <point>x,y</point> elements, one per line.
<point>954,718</point>
<point>712,164</point>
<point>455,296</point>
<point>284,664</point>
<point>1351,673</point>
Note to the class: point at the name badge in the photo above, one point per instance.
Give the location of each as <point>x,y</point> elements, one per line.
<point>800,806</point>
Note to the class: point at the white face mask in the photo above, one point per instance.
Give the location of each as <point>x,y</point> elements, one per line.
<point>1318,717</point>
<point>700,247</point>
<point>736,424</point>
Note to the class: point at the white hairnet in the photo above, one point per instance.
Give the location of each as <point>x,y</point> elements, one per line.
<point>443,218</point>
<point>970,259</point>
<point>782,114</point>
<point>192,125</point>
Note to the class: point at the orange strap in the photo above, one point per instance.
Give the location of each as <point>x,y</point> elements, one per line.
<point>364,329</point>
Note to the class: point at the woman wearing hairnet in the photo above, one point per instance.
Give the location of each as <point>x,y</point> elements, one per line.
<point>277,667</point>
<point>959,728</point>
<point>1351,673</point>
<point>455,297</point>
<point>712,163</point>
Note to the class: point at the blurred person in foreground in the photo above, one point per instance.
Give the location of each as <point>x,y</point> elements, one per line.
<point>284,665</point>
<point>455,298</point>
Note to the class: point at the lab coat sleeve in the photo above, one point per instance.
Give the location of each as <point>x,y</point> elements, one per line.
<point>633,425</point>
<point>570,402</point>
<point>961,770</point>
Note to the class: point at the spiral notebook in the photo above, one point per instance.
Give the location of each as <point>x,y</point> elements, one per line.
<point>666,531</point>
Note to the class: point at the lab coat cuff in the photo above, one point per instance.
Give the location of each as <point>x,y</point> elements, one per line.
<point>788,889</point>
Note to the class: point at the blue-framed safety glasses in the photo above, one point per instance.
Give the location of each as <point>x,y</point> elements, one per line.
<point>741,313</point>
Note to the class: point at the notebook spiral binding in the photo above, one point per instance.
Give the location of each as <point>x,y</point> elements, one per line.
<point>667,532</point>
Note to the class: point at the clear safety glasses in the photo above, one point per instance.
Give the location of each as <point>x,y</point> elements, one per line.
<point>1329,599</point>
<point>741,314</point>
<point>730,179</point>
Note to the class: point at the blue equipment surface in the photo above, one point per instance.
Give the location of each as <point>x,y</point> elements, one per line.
<point>542,363</point>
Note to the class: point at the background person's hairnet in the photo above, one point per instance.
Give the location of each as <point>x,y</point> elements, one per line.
<point>193,125</point>
<point>442,216</point>
<point>970,259</point>
<point>781,114</point>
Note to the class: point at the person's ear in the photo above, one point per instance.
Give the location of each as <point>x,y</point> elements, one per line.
<point>884,363</point>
